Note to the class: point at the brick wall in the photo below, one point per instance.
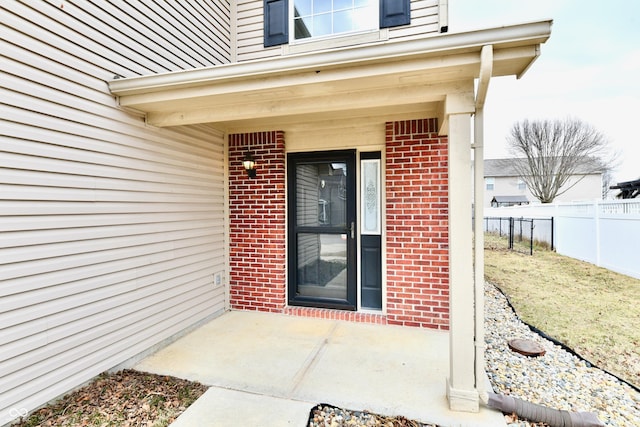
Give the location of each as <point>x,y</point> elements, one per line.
<point>417,290</point>
<point>257,223</point>
<point>417,225</point>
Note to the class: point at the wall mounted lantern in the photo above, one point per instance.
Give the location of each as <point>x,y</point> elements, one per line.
<point>249,163</point>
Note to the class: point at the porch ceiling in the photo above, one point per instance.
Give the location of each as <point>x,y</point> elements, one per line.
<point>394,80</point>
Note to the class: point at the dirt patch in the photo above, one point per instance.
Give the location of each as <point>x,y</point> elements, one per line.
<point>125,398</point>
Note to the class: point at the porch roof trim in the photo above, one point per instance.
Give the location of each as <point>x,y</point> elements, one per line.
<point>409,76</point>
<point>449,43</point>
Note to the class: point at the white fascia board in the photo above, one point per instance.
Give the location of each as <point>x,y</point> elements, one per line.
<point>450,43</point>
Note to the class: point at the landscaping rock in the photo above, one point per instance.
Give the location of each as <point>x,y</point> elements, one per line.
<point>559,379</point>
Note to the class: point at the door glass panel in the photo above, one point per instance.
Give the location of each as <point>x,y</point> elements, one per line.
<point>321,194</point>
<point>322,265</point>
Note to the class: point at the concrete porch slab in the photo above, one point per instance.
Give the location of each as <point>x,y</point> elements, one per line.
<point>221,407</point>
<point>278,367</point>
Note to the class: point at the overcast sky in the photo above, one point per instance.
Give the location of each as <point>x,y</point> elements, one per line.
<point>589,69</point>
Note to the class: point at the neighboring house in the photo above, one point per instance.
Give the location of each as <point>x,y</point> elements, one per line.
<point>501,182</point>
<point>127,217</point>
<point>501,201</point>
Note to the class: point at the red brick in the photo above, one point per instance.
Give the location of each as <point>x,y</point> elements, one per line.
<point>257,225</point>
<point>417,227</point>
<point>417,223</point>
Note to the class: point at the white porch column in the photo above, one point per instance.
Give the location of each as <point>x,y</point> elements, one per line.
<point>461,390</point>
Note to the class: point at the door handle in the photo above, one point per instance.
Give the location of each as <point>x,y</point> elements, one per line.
<point>352,230</point>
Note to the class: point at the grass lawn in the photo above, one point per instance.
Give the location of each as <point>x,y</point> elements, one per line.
<point>592,310</point>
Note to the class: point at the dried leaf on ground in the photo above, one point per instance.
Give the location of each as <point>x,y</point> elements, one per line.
<point>125,398</point>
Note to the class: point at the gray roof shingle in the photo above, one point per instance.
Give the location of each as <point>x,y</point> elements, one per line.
<point>505,167</point>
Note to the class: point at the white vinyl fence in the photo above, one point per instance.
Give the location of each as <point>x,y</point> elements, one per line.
<point>605,233</point>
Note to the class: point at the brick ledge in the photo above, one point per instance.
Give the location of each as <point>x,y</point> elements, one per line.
<point>325,313</point>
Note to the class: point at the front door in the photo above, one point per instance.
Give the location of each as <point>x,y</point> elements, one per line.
<point>322,229</point>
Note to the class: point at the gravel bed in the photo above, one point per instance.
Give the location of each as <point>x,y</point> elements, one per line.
<point>330,416</point>
<point>559,379</point>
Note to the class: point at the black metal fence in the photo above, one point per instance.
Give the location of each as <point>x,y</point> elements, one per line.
<point>522,230</point>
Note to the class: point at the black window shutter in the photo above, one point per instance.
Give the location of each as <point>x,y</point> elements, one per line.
<point>394,13</point>
<point>276,22</point>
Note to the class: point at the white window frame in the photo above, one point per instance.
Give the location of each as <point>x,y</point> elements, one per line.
<point>374,34</point>
<point>489,182</point>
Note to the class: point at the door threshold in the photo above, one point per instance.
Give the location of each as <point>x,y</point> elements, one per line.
<point>332,314</point>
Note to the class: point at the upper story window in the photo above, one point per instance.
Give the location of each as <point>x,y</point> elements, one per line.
<point>521,184</point>
<point>490,183</point>
<point>322,18</point>
<point>318,19</point>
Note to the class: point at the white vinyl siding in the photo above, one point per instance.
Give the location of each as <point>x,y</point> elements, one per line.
<point>250,22</point>
<point>250,34</point>
<point>424,20</point>
<point>128,38</point>
<point>111,231</point>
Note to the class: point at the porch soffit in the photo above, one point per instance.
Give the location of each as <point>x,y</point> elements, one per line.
<point>405,78</point>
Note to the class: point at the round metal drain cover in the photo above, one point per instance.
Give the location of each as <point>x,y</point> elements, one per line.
<point>527,347</point>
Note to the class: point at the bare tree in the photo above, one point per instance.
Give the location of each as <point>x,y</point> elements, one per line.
<point>607,182</point>
<point>553,151</point>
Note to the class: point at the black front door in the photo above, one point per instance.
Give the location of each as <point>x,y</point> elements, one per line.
<point>322,233</point>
